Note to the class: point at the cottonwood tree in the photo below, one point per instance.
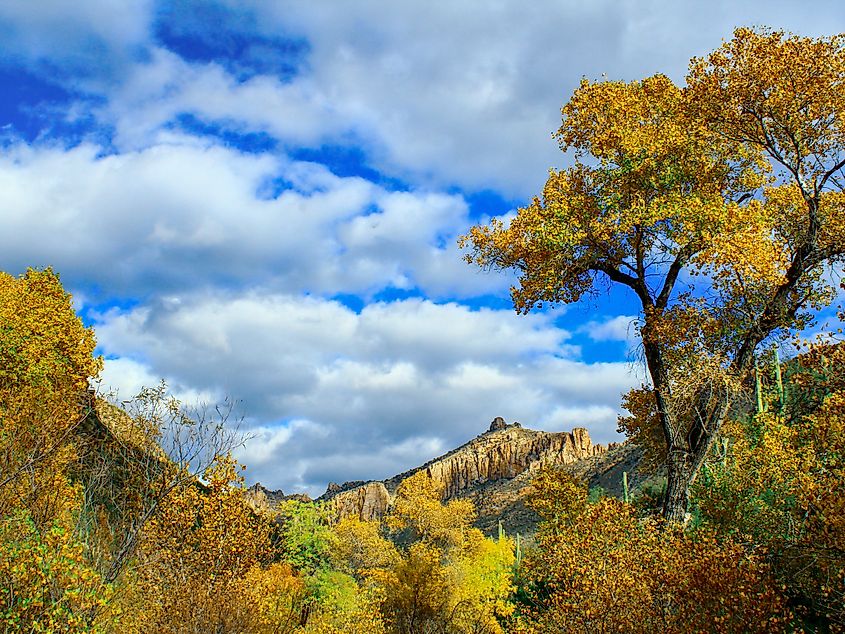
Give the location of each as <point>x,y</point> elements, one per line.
<point>720,205</point>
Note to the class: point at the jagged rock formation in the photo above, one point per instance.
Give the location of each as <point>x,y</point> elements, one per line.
<point>498,424</point>
<point>264,499</point>
<point>501,453</point>
<point>504,501</point>
<point>367,501</point>
<point>504,454</point>
<point>494,470</point>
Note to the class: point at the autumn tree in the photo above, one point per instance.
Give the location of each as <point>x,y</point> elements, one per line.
<point>451,578</point>
<point>719,205</point>
<point>132,459</point>
<point>46,359</point>
<point>779,482</point>
<point>47,583</point>
<point>206,564</point>
<point>600,568</point>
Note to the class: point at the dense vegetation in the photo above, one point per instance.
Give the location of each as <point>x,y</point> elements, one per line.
<point>718,205</point>
<point>135,519</point>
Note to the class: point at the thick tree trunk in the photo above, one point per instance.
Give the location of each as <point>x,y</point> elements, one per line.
<point>678,480</point>
<point>686,455</point>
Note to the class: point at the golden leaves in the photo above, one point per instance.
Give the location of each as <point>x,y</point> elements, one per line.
<point>780,92</point>
<point>600,568</point>
<point>418,509</point>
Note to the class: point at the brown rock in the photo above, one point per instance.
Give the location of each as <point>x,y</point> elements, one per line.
<point>511,451</point>
<point>366,502</point>
<point>262,498</point>
<point>506,455</point>
<point>498,424</point>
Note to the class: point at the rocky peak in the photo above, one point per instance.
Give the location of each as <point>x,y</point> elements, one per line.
<point>263,498</point>
<point>498,424</point>
<point>367,501</point>
<point>502,453</point>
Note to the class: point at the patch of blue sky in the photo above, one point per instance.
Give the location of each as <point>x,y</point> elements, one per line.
<point>228,134</point>
<point>479,302</point>
<point>271,187</point>
<point>606,351</point>
<point>394,294</point>
<point>206,32</point>
<point>353,302</point>
<point>347,160</point>
<point>488,203</point>
<point>96,305</point>
<point>27,100</point>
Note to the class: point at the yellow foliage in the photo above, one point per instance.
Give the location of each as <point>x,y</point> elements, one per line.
<point>719,205</point>
<point>45,363</point>
<point>778,91</point>
<point>781,484</point>
<point>198,561</point>
<point>342,606</point>
<point>417,593</point>
<point>418,509</point>
<point>46,584</point>
<point>598,568</point>
<point>452,579</point>
<point>642,427</point>
<point>360,548</point>
<point>481,578</point>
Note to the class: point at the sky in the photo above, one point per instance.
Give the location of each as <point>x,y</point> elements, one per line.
<point>261,200</point>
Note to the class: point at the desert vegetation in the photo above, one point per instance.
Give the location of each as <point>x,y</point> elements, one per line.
<point>718,204</point>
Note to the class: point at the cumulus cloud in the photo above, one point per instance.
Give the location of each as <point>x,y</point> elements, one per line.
<point>228,254</point>
<point>332,394</point>
<point>450,94</point>
<point>184,214</point>
<point>619,328</point>
<point>83,43</point>
<point>442,94</point>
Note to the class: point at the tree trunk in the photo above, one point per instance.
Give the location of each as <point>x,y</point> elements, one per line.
<point>678,479</point>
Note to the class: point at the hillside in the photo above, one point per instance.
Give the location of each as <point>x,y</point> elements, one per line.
<point>494,470</point>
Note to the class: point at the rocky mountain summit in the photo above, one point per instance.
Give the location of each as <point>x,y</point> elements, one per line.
<point>494,469</point>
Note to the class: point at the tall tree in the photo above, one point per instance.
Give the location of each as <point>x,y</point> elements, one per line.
<point>719,205</point>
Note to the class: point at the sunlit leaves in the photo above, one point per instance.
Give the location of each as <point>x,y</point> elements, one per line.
<point>599,568</point>
<point>779,92</point>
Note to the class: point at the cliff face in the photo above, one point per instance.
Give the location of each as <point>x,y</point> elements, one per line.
<point>264,499</point>
<point>504,501</point>
<point>502,453</point>
<point>367,501</point>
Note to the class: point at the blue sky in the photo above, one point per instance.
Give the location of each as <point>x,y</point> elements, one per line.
<point>261,200</point>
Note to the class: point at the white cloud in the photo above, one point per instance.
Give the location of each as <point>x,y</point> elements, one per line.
<point>86,42</point>
<point>231,275</point>
<point>441,94</point>
<point>461,94</point>
<point>186,214</point>
<point>373,393</point>
<point>619,328</point>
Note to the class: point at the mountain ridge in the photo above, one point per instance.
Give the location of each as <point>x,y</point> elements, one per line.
<point>494,469</point>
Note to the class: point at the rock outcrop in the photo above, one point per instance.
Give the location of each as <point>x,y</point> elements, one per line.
<point>503,502</point>
<point>264,499</point>
<point>498,424</point>
<point>367,501</point>
<point>501,453</point>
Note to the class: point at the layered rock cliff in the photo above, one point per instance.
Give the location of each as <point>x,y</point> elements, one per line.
<point>263,498</point>
<point>367,501</point>
<point>501,453</point>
